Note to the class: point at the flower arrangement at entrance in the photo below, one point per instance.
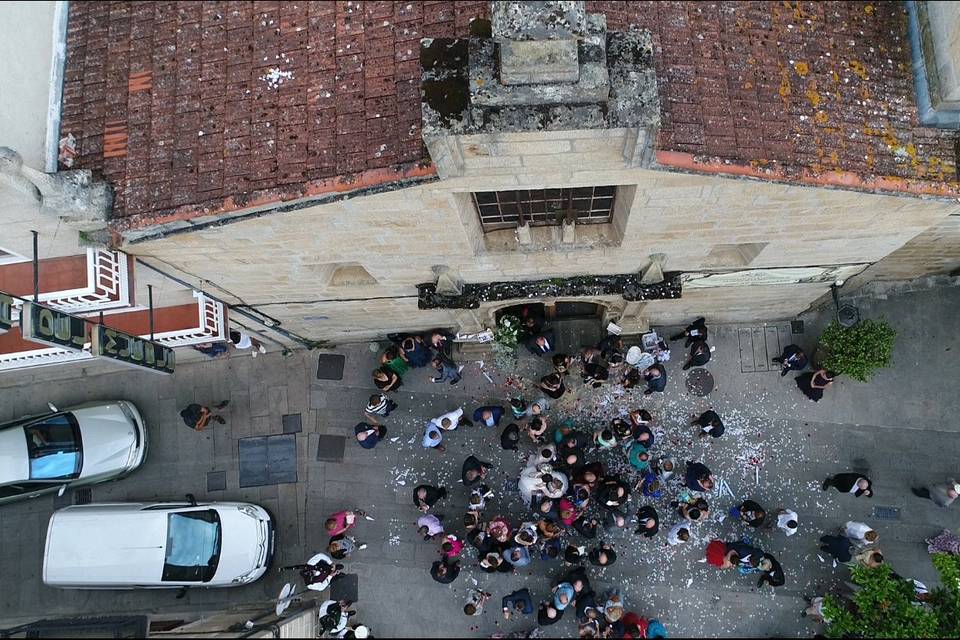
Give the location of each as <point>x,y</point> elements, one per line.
<point>506,337</point>
<point>508,331</point>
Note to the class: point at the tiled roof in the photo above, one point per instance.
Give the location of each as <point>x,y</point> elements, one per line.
<point>191,108</point>
<point>790,88</point>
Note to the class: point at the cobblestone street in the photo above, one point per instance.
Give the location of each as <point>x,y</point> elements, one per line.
<point>898,428</point>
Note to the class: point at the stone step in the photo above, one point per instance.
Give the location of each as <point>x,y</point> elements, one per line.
<point>474,351</point>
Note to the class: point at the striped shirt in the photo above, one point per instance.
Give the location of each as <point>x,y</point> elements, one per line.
<point>380,407</point>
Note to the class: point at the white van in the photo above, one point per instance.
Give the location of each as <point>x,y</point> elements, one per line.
<point>157,546</point>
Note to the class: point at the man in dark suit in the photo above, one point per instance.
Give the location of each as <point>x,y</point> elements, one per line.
<point>697,330</point>
<point>853,483</point>
<point>488,416</point>
<point>656,377</point>
<point>541,343</point>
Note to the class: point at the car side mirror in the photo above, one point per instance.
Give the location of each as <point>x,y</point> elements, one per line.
<point>52,407</point>
<point>62,490</point>
<point>191,500</point>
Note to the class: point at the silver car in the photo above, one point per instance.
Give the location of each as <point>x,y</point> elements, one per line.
<point>91,443</point>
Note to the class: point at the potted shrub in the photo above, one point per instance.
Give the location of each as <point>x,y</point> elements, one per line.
<point>858,350</point>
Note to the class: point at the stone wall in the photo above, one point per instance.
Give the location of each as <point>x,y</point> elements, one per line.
<point>287,259</point>
<point>933,252</point>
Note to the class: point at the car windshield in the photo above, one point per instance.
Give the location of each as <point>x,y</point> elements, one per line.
<point>193,546</point>
<point>53,446</point>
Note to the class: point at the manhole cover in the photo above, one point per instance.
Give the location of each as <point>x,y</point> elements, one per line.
<point>216,480</point>
<point>330,366</point>
<point>331,448</point>
<point>346,587</point>
<point>700,382</point>
<point>292,423</point>
<point>886,513</point>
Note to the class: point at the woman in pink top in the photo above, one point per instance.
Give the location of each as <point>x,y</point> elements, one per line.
<point>452,546</point>
<point>568,512</point>
<point>341,521</point>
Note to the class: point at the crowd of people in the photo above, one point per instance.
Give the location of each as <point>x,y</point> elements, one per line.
<point>577,484</point>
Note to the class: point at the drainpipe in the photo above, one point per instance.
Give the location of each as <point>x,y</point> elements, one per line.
<point>58,61</point>
<point>925,111</point>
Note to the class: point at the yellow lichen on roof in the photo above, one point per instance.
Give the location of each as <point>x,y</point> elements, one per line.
<point>857,67</point>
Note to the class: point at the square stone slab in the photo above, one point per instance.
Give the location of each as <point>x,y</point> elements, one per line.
<point>345,588</point>
<point>216,480</point>
<point>268,460</point>
<point>330,366</point>
<point>292,423</point>
<point>330,448</point>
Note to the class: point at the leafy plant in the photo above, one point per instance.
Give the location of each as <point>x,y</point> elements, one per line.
<point>885,606</point>
<point>858,350</point>
<point>946,601</point>
<point>507,332</point>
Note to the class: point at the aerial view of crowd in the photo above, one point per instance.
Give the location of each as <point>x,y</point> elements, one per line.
<point>581,483</point>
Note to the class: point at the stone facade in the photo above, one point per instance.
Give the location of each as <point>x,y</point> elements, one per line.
<point>282,263</point>
<point>935,251</point>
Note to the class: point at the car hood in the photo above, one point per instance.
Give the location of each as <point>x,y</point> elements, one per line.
<point>242,546</point>
<point>107,436</point>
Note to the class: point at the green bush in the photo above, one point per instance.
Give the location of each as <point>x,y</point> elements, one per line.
<point>856,351</point>
<point>885,606</point>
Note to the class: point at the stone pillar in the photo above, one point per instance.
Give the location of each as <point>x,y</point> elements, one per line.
<point>538,40</point>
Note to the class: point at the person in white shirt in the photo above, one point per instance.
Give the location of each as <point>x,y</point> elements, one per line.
<point>787,521</point>
<point>241,340</point>
<point>679,534</point>
<point>449,421</point>
<point>860,533</point>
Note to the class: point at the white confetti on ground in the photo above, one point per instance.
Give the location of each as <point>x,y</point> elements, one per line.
<point>275,77</point>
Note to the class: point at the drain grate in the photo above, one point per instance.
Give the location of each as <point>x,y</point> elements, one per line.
<point>83,496</point>
<point>886,513</point>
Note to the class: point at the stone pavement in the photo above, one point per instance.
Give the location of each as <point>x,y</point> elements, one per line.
<point>899,428</point>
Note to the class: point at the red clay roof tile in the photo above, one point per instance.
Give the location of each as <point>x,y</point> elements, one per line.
<point>236,102</point>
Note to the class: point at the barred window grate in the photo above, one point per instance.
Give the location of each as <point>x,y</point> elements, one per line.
<point>544,207</point>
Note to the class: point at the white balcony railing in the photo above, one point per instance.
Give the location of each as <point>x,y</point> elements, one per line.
<point>211,327</point>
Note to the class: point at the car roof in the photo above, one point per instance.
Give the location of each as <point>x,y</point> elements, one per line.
<point>14,465</point>
<point>106,543</point>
